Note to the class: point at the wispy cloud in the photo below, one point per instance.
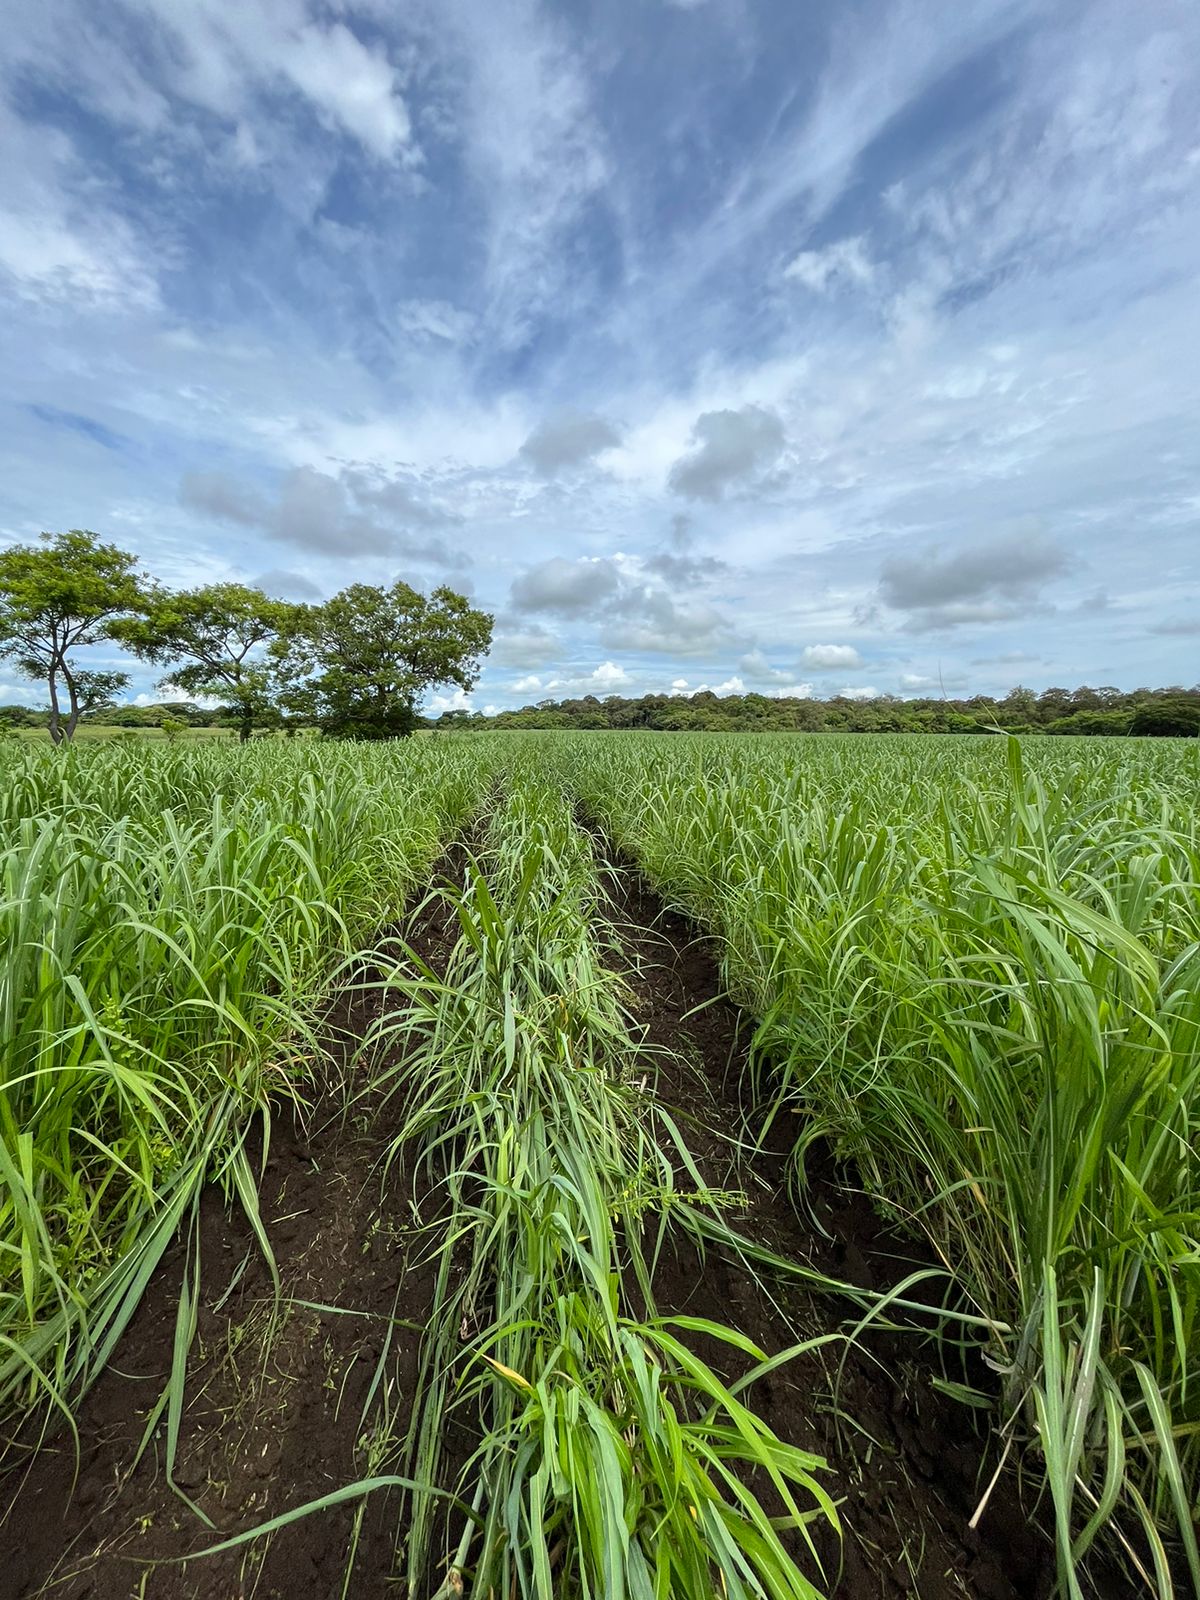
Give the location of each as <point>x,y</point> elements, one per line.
<point>853,353</point>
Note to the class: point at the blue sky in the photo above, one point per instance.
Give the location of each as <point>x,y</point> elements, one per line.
<point>726,343</point>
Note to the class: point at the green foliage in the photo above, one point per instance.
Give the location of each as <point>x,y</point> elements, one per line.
<point>169,920</point>
<point>57,597</point>
<point>357,665</point>
<point>977,973</point>
<point>213,640</point>
<point>612,1459</point>
<point>1171,718</point>
<point>1095,712</point>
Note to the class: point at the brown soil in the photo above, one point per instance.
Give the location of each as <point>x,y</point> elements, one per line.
<point>905,1463</point>
<point>273,1415</point>
<point>273,1422</point>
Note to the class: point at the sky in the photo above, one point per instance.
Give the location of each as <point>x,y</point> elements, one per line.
<point>844,346</point>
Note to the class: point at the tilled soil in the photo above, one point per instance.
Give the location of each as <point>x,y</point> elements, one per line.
<point>906,1465</point>
<point>274,1416</point>
<point>274,1399</point>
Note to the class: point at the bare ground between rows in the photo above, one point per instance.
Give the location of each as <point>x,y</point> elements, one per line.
<point>905,1462</point>
<point>274,1408</point>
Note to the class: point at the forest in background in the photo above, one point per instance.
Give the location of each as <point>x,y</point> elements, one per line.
<point>1170,712</point>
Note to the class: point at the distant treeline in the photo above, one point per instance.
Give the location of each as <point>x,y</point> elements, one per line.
<point>1171,712</point>
<point>178,711</point>
<point>1106,711</point>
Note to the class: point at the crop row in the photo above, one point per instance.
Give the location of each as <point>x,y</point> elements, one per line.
<point>981,984</point>
<point>169,924</point>
<point>611,1459</point>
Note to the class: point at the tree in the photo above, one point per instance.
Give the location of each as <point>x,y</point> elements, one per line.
<point>358,664</point>
<point>1167,718</point>
<point>97,691</point>
<point>213,641</point>
<point>56,597</point>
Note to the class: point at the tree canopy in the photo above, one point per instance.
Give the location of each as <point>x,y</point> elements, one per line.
<point>357,665</point>
<point>213,640</point>
<point>58,596</point>
<point>1085,710</point>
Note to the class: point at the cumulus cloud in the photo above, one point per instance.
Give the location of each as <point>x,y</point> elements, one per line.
<point>846,261</point>
<point>398,496</point>
<point>607,678</point>
<point>317,512</point>
<point>568,440</point>
<point>755,666</point>
<point>624,594</point>
<point>215,494</point>
<point>654,621</point>
<point>525,647</point>
<point>831,657</point>
<point>567,588</point>
<point>980,583</point>
<point>859,692</point>
<point>728,448</point>
<point>789,691</point>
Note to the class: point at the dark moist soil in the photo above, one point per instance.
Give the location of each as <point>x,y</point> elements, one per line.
<point>274,1409</point>
<point>272,1422</point>
<point>906,1464</point>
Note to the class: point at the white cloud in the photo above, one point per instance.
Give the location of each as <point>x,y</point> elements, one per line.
<point>842,262</point>
<point>607,678</point>
<point>921,682</point>
<point>758,669</point>
<point>449,700</point>
<point>221,55</point>
<point>22,694</point>
<point>435,319</point>
<point>827,657</point>
<point>525,647</point>
<point>354,85</point>
<point>679,683</point>
<point>51,258</point>
<point>536,152</point>
<point>60,241</point>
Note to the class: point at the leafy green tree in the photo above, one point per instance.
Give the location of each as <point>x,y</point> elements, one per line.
<point>1167,718</point>
<point>214,642</point>
<point>56,597</point>
<point>358,664</point>
<point>98,691</point>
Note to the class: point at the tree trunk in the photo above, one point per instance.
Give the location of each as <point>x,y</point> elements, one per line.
<point>56,733</point>
<point>73,717</point>
<point>245,728</point>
